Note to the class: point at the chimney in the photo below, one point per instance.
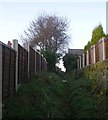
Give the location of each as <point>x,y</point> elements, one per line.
<point>9,44</point>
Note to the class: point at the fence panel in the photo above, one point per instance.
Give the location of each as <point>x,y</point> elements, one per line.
<point>31,61</point>
<point>22,64</point>
<point>8,71</point>
<point>97,52</point>
<point>85,62</point>
<point>38,62</point>
<point>100,51</point>
<point>43,64</point>
<point>81,61</point>
<point>9,67</point>
<point>92,55</point>
<point>106,48</point>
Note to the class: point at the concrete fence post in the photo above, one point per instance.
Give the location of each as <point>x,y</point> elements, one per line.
<point>15,47</point>
<point>0,80</point>
<point>80,62</point>
<point>93,55</point>
<point>101,49</point>
<point>87,58</point>
<point>103,44</point>
<point>83,60</point>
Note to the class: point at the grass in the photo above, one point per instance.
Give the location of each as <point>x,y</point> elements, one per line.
<point>85,104</point>
<point>46,96</point>
<point>41,98</point>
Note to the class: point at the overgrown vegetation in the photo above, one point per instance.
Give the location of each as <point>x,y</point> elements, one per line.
<point>85,101</point>
<point>41,98</point>
<point>70,62</point>
<point>48,96</point>
<point>52,58</point>
<point>98,73</point>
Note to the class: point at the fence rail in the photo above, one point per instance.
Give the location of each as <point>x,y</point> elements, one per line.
<point>17,64</point>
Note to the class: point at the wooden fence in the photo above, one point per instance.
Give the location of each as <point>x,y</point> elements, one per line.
<point>8,71</point>
<point>17,64</point>
<point>97,52</point>
<point>38,62</point>
<point>32,61</point>
<point>22,64</point>
<point>106,48</point>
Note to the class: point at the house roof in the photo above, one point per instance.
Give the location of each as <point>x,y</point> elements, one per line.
<point>75,51</point>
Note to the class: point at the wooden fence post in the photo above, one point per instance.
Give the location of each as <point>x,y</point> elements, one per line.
<point>15,47</point>
<point>0,80</point>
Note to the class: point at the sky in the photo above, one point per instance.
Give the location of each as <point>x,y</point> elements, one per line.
<point>83,17</point>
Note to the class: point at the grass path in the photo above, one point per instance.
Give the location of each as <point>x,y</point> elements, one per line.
<point>47,96</point>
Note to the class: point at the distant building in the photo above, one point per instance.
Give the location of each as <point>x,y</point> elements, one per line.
<point>75,51</point>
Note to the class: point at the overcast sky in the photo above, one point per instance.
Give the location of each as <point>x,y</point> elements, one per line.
<point>83,16</point>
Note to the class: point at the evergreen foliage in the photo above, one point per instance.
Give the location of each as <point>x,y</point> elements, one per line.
<point>70,62</point>
<point>97,34</point>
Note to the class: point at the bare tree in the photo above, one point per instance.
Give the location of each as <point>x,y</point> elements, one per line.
<point>49,32</point>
